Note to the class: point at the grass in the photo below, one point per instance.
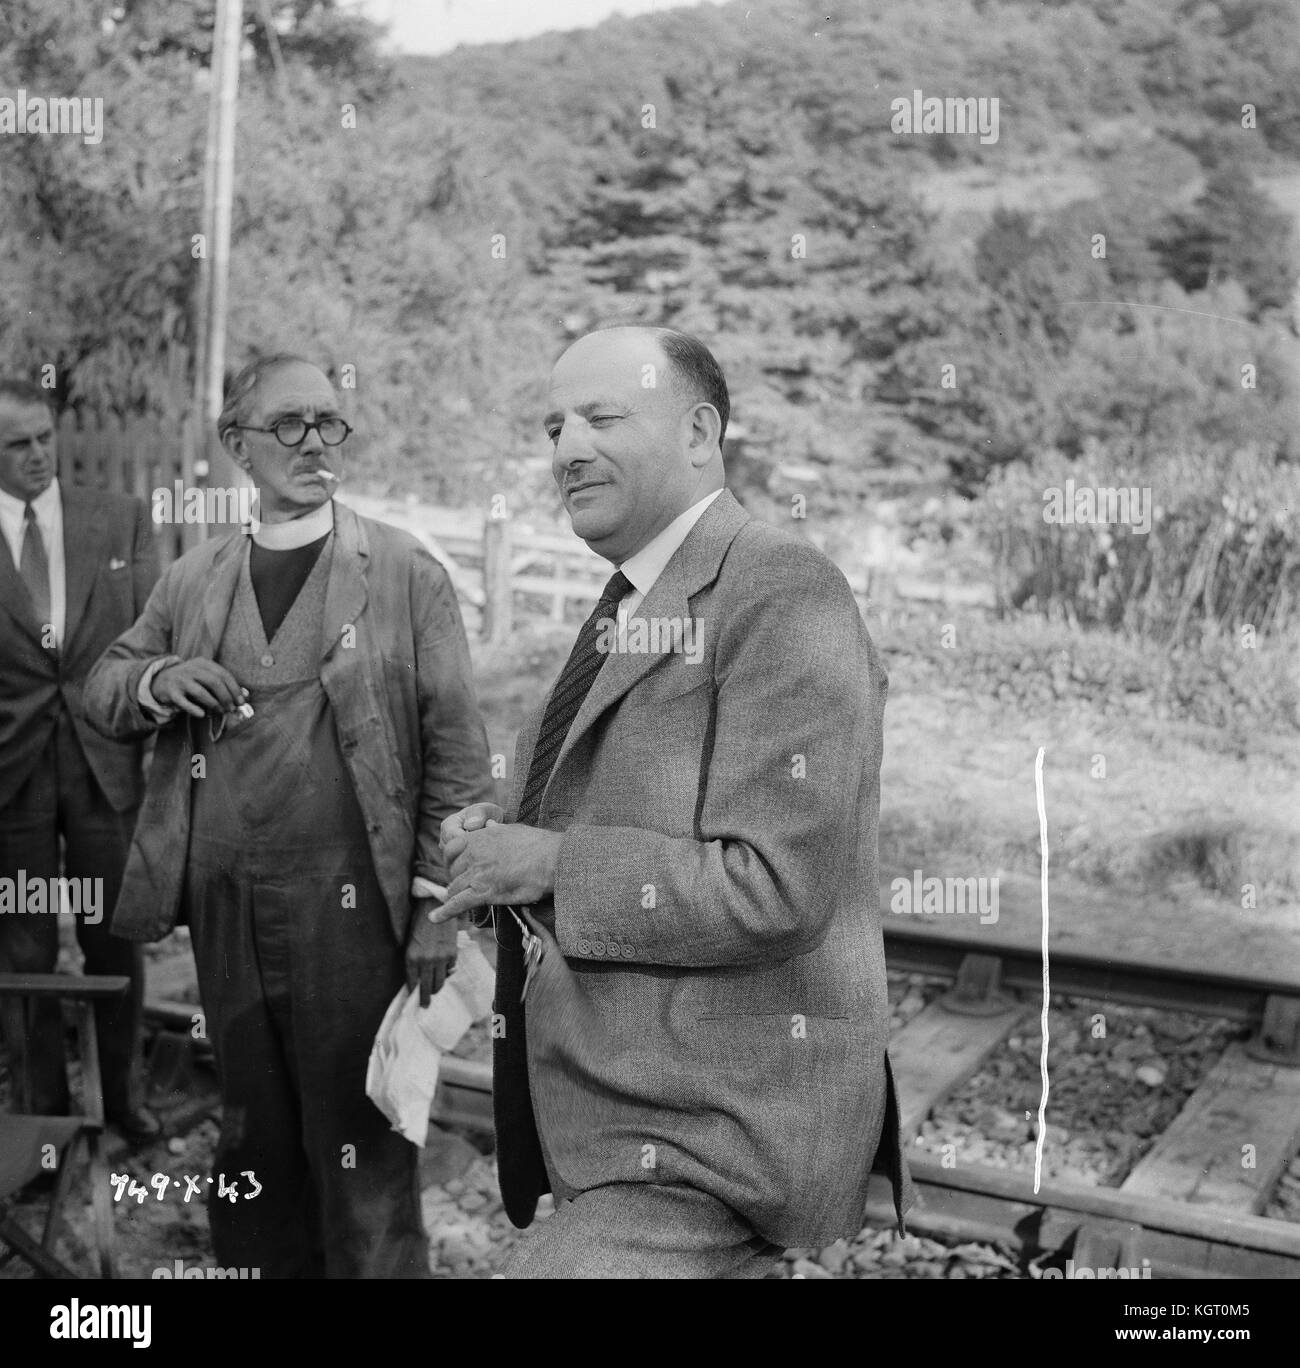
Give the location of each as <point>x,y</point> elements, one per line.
<point>1134,800</point>
<point>1182,807</point>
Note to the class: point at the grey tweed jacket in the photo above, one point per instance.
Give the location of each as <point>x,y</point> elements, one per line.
<point>713,1008</point>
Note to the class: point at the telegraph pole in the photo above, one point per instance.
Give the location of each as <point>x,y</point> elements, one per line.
<point>212,293</point>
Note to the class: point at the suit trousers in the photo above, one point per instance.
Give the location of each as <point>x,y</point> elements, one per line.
<point>295,974</point>
<point>643,1230</point>
<point>62,798</point>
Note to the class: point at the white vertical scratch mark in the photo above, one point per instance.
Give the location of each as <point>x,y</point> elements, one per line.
<point>1047,982</point>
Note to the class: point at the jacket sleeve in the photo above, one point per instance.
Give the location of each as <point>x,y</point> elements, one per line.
<point>455,765</point>
<point>111,697</point>
<point>799,710</point>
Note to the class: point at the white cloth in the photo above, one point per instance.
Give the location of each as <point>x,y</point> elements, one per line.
<point>295,532</point>
<point>48,507</point>
<point>402,1075</point>
<point>160,712</point>
<point>648,564</point>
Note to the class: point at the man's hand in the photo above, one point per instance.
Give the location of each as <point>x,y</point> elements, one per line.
<point>431,952</point>
<point>499,864</point>
<point>459,824</point>
<point>197,686</point>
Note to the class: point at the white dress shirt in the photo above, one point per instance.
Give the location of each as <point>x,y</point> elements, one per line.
<point>48,505</point>
<point>648,564</point>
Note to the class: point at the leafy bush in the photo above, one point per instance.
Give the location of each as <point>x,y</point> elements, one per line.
<point>1029,664</point>
<point>1221,557</point>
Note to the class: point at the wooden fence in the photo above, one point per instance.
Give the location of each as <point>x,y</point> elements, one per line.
<point>137,458</point>
<point>503,571</point>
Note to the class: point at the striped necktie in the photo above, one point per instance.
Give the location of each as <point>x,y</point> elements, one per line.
<point>571,688</point>
<point>34,567</point>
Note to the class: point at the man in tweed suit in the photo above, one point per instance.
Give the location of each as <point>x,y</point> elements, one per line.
<point>696,1065</point>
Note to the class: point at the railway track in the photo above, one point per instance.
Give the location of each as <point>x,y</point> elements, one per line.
<point>1189,1208</point>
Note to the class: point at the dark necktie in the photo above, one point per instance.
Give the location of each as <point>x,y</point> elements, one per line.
<point>34,567</point>
<point>571,688</point>
<point>519,1159</point>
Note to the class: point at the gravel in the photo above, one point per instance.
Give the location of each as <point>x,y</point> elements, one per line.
<point>1111,1095</point>
<point>470,1237</point>
<point>882,1254</point>
<point>1284,1205</point>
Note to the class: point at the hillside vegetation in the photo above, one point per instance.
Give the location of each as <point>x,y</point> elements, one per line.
<point>901,315</point>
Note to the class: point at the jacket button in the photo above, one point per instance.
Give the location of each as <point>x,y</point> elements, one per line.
<point>584,947</point>
<point>628,952</point>
<point>267,661</point>
<point>598,947</point>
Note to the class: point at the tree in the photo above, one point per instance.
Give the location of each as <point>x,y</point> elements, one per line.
<point>1233,232</point>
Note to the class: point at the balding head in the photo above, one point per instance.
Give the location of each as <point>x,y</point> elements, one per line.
<point>243,391</point>
<point>637,440</point>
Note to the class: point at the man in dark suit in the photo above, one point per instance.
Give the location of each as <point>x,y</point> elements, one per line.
<point>696,1065</point>
<point>75,570</point>
<point>310,688</point>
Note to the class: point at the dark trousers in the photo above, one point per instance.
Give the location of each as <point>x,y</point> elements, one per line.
<point>62,798</point>
<point>296,973</point>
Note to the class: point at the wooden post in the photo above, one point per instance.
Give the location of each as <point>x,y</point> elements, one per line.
<point>212,294</point>
<point>203,287</point>
<point>226,92</point>
<point>92,1104</point>
<point>498,605</point>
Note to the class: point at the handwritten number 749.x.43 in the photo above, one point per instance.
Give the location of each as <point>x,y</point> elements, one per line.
<point>124,1185</point>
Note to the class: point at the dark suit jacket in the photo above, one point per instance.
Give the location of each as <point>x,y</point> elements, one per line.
<point>395,666</point>
<point>713,1007</point>
<point>111,563</point>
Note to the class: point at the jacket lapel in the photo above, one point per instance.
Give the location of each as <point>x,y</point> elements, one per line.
<point>14,598</point>
<point>218,595</point>
<point>347,592</point>
<point>84,553</point>
<point>695,564</point>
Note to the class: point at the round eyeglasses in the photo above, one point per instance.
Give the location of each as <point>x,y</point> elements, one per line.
<point>292,432</point>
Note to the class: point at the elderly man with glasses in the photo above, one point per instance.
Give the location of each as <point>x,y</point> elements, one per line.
<point>310,688</point>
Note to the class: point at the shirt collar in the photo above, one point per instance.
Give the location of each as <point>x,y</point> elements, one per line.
<point>648,564</point>
<point>46,503</point>
<point>288,536</point>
